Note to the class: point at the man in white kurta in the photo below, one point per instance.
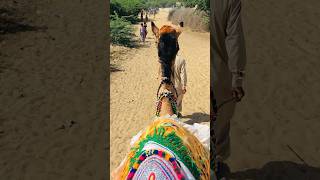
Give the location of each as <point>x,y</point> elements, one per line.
<point>180,80</point>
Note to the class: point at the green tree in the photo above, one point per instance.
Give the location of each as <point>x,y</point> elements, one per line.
<point>203,5</point>
<point>121,31</point>
<point>127,9</point>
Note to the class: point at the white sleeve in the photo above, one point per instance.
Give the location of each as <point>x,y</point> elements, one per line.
<point>183,73</point>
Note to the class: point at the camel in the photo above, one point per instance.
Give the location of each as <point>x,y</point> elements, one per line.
<point>166,149</point>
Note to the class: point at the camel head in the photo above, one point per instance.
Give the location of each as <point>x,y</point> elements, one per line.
<point>168,46</point>
<point>166,29</point>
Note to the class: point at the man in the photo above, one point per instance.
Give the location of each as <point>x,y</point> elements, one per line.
<point>141,15</point>
<point>228,60</point>
<point>180,80</point>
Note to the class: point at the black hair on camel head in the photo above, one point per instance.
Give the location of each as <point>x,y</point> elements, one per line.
<point>168,48</point>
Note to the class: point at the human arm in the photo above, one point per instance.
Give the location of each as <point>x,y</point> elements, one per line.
<point>183,75</point>
<point>235,45</point>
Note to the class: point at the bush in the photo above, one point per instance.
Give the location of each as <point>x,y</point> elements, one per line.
<point>159,3</point>
<point>203,5</point>
<point>128,9</point>
<point>121,31</point>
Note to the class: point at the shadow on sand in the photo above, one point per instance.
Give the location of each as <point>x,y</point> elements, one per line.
<point>114,68</point>
<point>9,23</point>
<point>139,44</point>
<point>279,170</point>
<point>197,117</point>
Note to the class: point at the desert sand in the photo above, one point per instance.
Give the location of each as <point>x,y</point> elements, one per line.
<point>280,112</point>
<point>53,90</point>
<point>133,86</point>
<point>53,85</point>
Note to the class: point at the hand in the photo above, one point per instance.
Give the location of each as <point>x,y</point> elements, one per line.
<point>237,93</point>
<point>184,90</point>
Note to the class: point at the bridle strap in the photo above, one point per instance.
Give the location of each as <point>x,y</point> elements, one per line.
<point>172,100</point>
<point>166,80</point>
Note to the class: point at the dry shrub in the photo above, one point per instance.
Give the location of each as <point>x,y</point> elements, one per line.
<point>194,19</point>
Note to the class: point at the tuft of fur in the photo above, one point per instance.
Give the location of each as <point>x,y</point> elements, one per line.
<point>167,29</point>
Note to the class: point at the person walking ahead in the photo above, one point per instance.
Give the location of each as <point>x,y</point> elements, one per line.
<point>180,80</point>
<point>141,15</point>
<point>143,32</point>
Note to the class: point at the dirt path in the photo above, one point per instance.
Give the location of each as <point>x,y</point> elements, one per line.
<point>277,124</point>
<point>133,87</point>
<point>52,90</point>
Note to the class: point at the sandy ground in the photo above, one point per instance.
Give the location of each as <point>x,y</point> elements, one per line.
<point>53,84</point>
<point>281,107</point>
<point>53,90</point>
<point>134,85</point>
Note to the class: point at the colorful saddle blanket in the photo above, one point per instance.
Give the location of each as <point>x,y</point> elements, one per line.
<point>167,150</point>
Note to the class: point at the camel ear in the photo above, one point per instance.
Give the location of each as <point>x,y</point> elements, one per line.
<point>181,24</point>
<point>155,29</point>
<point>178,32</point>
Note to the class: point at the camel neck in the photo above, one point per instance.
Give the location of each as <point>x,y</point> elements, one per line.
<point>166,107</point>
